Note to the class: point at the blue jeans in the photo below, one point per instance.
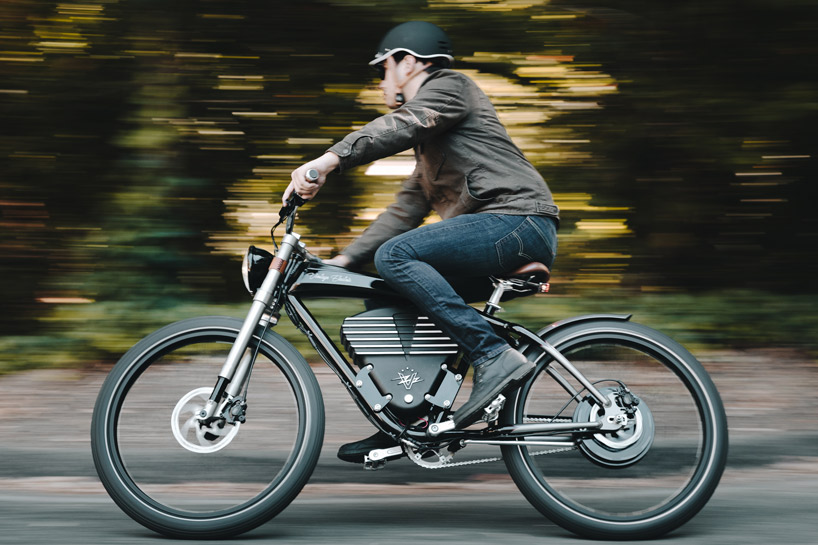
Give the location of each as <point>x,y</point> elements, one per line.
<point>416,264</point>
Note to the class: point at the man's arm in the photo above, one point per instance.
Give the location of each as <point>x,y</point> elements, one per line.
<point>407,212</point>
<point>438,106</point>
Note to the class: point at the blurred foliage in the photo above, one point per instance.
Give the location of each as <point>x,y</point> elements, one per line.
<point>144,144</point>
<point>733,319</point>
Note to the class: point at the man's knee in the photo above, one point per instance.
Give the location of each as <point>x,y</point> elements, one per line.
<point>392,252</point>
<point>382,256</point>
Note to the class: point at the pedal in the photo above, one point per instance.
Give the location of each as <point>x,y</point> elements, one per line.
<point>369,465</point>
<point>492,412</point>
<point>377,458</point>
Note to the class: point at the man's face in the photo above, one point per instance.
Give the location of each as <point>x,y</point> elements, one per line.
<point>390,81</point>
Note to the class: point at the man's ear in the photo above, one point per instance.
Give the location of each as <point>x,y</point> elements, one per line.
<point>413,65</point>
<point>408,62</point>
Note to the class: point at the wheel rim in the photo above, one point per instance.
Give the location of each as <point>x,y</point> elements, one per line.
<point>654,481</point>
<point>236,471</point>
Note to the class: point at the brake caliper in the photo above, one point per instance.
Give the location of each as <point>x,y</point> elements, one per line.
<point>236,411</point>
<point>628,401</point>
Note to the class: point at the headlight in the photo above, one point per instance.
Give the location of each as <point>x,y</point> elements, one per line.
<point>254,268</point>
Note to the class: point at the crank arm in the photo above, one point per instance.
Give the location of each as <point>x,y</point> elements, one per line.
<point>384,453</point>
<point>377,458</point>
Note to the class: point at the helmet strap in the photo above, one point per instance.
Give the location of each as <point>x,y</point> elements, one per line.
<point>419,68</point>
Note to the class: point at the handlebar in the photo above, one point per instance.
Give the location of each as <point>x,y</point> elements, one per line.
<point>287,211</point>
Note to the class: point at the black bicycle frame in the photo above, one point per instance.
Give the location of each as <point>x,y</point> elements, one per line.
<point>318,281</point>
<point>310,280</point>
<point>293,276</point>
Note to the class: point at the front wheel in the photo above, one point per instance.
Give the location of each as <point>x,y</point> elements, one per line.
<point>173,474</point>
<point>637,483</point>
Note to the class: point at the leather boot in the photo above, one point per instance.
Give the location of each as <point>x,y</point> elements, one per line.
<point>355,452</point>
<point>491,378</point>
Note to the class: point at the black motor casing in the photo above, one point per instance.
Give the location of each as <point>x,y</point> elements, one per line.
<point>410,355</point>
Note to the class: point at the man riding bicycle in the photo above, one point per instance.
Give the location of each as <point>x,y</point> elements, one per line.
<point>496,211</point>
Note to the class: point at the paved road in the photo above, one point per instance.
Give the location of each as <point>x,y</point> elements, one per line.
<point>769,494</point>
<point>750,507</point>
<point>49,492</point>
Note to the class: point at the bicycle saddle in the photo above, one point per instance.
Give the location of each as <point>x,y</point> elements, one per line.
<point>530,272</point>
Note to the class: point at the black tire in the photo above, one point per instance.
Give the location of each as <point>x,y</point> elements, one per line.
<point>157,480</point>
<point>673,459</point>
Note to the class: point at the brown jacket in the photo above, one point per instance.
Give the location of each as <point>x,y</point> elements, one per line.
<point>466,162</point>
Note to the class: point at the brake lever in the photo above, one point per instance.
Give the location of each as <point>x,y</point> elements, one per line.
<point>288,211</point>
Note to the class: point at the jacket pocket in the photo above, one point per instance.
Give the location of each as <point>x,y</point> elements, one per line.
<point>468,203</point>
<point>473,183</point>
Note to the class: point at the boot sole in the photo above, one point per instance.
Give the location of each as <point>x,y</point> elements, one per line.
<point>359,458</point>
<point>509,383</point>
<point>354,452</point>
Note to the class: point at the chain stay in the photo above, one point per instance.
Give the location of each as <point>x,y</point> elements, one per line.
<point>444,462</point>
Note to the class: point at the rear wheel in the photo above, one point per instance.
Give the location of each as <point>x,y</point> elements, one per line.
<point>184,479</point>
<point>644,480</point>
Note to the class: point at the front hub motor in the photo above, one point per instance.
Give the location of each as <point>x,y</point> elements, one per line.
<point>191,433</point>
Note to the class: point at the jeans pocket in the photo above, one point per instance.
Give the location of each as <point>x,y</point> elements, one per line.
<point>531,240</point>
<point>547,232</point>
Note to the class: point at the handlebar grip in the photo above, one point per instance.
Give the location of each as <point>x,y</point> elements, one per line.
<point>312,175</point>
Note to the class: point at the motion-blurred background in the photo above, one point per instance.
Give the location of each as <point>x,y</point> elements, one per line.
<point>145,143</point>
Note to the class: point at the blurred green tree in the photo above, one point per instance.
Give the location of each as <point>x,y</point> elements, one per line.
<point>137,135</point>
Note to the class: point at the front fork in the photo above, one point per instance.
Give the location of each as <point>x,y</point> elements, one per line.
<point>236,367</point>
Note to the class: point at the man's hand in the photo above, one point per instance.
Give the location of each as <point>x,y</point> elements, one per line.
<point>304,188</point>
<point>339,260</point>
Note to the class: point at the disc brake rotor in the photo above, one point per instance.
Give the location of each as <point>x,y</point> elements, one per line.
<point>188,430</point>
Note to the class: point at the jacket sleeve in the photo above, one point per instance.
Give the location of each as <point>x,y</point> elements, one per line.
<point>406,213</point>
<point>438,106</point>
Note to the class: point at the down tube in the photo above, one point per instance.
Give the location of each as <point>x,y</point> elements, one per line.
<point>336,361</point>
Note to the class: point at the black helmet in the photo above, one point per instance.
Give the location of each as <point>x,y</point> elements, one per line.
<point>417,38</point>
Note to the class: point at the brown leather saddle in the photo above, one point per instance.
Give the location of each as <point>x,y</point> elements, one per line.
<point>534,272</point>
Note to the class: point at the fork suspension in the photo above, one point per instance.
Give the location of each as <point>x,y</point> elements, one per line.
<point>261,301</point>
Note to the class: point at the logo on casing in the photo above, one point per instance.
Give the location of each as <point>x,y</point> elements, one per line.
<point>407,378</point>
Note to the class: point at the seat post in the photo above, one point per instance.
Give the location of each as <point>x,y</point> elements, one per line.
<point>493,304</point>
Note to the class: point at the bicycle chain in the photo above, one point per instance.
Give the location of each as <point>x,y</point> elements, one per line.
<point>446,465</point>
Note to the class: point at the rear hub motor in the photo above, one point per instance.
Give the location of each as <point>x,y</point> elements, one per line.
<point>625,446</point>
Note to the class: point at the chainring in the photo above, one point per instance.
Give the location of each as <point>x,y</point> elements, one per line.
<point>430,458</point>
